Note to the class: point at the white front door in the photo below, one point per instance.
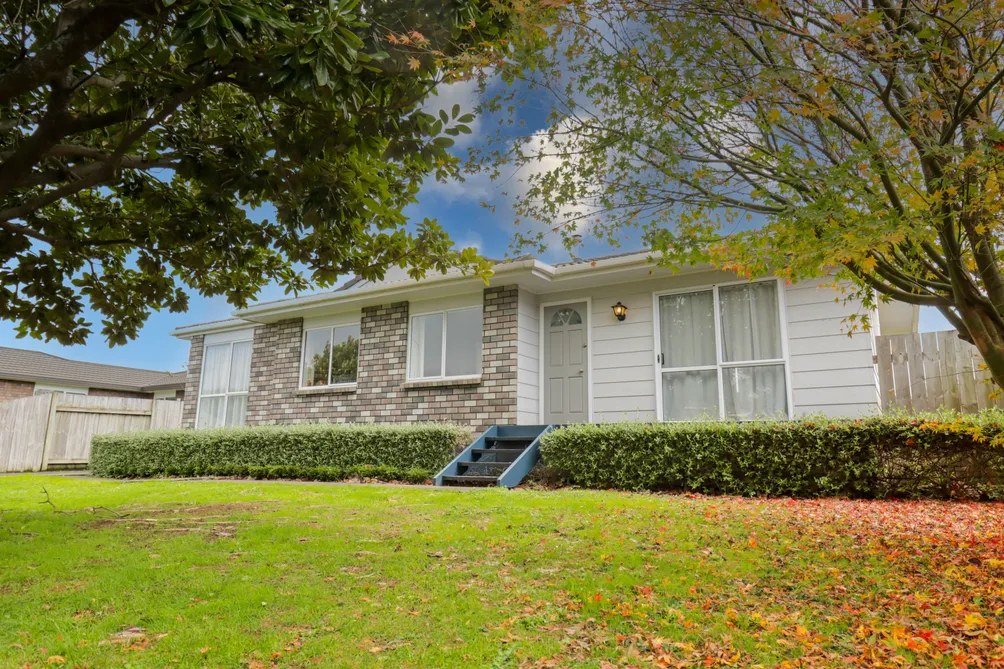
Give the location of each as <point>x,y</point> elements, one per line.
<point>565,369</point>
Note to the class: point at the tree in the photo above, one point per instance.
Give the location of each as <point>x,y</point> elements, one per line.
<point>138,136</point>
<point>789,136</point>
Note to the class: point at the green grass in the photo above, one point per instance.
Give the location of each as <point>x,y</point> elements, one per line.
<point>251,574</point>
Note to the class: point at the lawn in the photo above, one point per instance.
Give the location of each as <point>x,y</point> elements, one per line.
<point>251,574</point>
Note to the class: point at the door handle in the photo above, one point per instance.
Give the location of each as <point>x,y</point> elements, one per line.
<point>582,371</point>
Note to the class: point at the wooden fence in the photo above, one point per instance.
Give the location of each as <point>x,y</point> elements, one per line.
<point>932,370</point>
<point>55,430</point>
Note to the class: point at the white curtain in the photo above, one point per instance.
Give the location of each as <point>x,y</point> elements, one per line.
<point>215,369</point>
<point>237,409</point>
<point>687,329</point>
<point>687,337</point>
<point>463,342</point>
<point>690,395</point>
<point>426,346</point>
<point>751,327</point>
<point>211,411</point>
<point>240,367</point>
<point>755,392</point>
<point>751,330</point>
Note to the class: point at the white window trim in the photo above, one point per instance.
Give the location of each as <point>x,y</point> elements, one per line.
<point>227,394</point>
<point>720,365</point>
<point>442,376</point>
<point>303,355</point>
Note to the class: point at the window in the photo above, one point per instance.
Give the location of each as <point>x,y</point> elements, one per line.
<point>721,353</point>
<point>565,316</point>
<point>330,356</point>
<point>223,388</point>
<point>445,344</point>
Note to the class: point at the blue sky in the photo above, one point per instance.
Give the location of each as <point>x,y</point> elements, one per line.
<point>457,207</point>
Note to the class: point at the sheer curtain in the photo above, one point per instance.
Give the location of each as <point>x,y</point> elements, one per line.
<point>215,372</point>
<point>751,330</point>
<point>687,334</point>
<point>687,329</point>
<point>240,377</point>
<point>463,342</point>
<point>215,368</point>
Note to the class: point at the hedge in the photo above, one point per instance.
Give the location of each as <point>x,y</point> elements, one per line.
<point>316,451</point>
<point>933,455</point>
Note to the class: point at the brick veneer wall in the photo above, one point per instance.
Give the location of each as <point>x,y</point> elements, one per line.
<point>13,390</point>
<point>192,381</point>
<point>382,393</point>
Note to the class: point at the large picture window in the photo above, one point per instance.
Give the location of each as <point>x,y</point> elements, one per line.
<point>330,356</point>
<point>721,353</point>
<point>445,344</point>
<point>223,387</point>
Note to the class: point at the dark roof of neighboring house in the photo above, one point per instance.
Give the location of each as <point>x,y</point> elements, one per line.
<point>23,365</point>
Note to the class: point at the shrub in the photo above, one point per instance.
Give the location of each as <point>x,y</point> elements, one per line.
<point>934,455</point>
<point>316,451</point>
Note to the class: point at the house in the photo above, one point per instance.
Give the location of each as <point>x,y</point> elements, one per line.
<point>24,373</point>
<point>607,339</point>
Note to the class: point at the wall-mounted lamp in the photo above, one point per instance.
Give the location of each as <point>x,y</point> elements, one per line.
<point>620,311</point>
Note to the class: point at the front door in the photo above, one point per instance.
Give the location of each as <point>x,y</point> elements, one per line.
<point>565,369</point>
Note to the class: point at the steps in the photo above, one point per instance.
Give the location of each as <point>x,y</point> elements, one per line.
<point>501,456</point>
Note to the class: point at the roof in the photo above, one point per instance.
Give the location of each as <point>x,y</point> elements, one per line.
<point>526,271</point>
<point>23,365</point>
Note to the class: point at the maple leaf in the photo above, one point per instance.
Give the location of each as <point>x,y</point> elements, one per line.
<point>413,63</point>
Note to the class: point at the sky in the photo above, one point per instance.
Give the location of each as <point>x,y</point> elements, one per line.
<point>457,207</point>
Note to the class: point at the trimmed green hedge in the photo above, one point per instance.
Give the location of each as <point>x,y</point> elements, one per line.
<point>936,455</point>
<point>318,451</point>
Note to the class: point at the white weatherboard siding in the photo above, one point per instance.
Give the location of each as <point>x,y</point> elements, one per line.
<point>528,360</point>
<point>623,353</point>
<point>831,373</point>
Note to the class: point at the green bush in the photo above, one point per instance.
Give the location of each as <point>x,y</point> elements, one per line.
<point>933,455</point>
<point>317,451</point>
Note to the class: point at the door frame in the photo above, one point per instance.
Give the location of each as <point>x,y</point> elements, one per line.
<point>588,301</point>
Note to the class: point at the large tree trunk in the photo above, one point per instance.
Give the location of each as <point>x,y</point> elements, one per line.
<point>987,335</point>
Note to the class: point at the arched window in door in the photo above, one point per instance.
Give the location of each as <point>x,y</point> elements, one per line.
<point>565,316</point>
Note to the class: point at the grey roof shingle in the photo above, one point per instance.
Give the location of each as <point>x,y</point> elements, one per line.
<point>23,365</point>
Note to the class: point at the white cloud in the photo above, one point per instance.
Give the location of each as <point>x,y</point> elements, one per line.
<point>463,93</point>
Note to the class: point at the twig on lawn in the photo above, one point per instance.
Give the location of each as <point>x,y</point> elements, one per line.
<point>89,509</point>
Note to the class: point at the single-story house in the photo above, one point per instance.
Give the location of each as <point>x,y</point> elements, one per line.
<point>604,339</point>
<point>25,373</point>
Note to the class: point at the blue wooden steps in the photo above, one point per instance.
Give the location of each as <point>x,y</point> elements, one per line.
<point>502,456</point>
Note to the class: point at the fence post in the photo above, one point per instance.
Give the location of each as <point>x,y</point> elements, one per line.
<point>50,430</point>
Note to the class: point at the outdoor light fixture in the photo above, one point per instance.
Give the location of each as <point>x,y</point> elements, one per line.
<point>620,311</point>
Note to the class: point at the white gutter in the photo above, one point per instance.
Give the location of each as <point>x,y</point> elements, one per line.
<point>401,290</point>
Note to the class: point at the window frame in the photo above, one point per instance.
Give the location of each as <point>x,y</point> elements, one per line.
<point>330,327</point>
<point>226,394</point>
<point>720,364</point>
<point>442,365</point>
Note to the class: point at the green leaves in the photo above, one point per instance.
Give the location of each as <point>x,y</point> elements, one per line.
<point>933,455</point>
<point>773,137</point>
<point>323,451</point>
<point>218,146</point>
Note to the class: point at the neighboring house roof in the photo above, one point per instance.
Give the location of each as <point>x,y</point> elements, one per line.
<point>23,365</point>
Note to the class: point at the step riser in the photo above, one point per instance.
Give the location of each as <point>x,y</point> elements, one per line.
<point>503,456</point>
